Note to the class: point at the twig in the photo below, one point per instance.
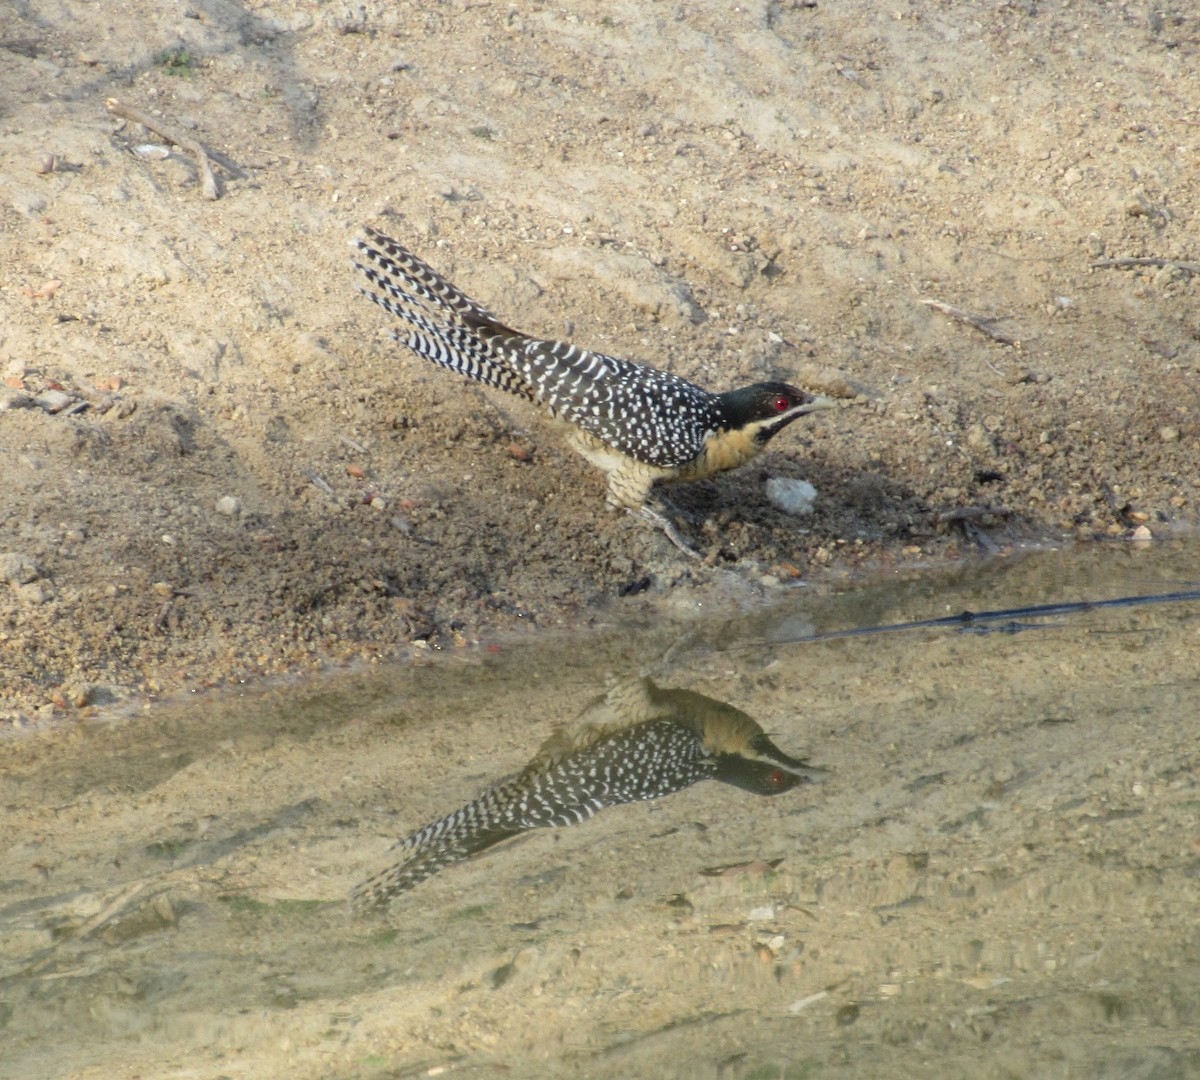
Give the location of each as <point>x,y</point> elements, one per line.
<point>978,321</point>
<point>1125,264</point>
<point>112,909</point>
<point>319,482</point>
<point>208,182</point>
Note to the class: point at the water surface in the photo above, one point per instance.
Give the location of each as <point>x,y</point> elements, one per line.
<point>999,876</point>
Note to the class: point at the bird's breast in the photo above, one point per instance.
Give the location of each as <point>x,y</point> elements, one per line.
<point>724,450</point>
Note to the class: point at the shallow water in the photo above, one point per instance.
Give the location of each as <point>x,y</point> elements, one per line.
<point>999,876</point>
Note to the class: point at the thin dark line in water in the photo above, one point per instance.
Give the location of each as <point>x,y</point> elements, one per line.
<point>976,622</point>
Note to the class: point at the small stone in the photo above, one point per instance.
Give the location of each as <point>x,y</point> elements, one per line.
<point>229,505</point>
<point>1137,205</point>
<point>794,497</point>
<point>1142,535</point>
<point>18,569</point>
<point>14,399</point>
<point>79,695</point>
<point>979,440</point>
<point>53,401</point>
<point>1168,434</point>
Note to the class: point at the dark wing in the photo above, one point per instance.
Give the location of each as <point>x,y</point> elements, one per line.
<point>650,415</point>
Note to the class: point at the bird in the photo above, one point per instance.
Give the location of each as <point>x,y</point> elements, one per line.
<point>637,423</point>
<point>637,742</point>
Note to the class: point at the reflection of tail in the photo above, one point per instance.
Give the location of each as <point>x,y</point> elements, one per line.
<point>688,737</point>
<point>469,830</point>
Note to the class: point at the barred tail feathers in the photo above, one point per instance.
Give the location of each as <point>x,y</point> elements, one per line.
<point>445,326</point>
<point>408,873</point>
<point>398,263</point>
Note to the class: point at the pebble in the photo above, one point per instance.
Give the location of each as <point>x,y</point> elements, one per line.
<point>80,695</point>
<point>1168,434</point>
<point>17,568</point>
<point>1137,205</point>
<point>229,505</point>
<point>979,440</point>
<point>53,401</point>
<point>791,496</point>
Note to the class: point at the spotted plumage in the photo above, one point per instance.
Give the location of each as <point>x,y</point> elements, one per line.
<point>638,742</point>
<point>637,423</point>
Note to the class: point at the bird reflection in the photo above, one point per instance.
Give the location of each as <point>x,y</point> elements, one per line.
<point>638,741</point>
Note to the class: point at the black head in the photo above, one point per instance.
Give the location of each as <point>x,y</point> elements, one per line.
<point>769,407</point>
<point>765,769</point>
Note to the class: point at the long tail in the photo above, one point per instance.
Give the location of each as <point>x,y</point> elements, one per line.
<point>444,324</point>
<point>400,264</point>
<point>377,891</point>
<point>479,825</point>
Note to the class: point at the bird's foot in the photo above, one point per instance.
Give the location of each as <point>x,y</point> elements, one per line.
<point>668,527</point>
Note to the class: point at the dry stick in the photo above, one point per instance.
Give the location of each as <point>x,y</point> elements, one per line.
<point>977,321</point>
<point>319,482</point>
<point>208,182</point>
<point>1121,264</point>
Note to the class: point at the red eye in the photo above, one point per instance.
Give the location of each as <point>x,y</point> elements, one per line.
<point>777,777</point>
<point>782,404</point>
